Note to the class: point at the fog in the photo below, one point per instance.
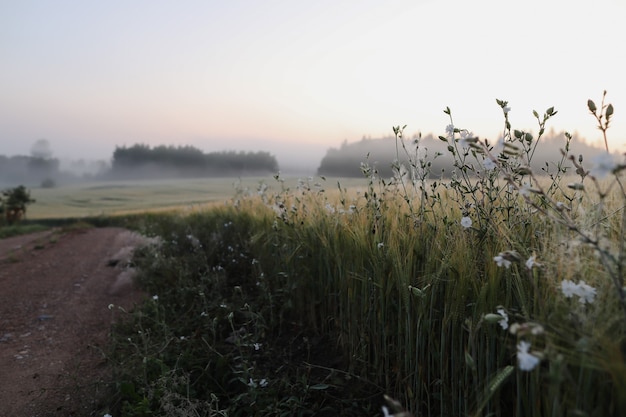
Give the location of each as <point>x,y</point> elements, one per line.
<point>48,164</point>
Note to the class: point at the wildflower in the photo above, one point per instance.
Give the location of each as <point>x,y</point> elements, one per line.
<point>489,164</point>
<point>525,190</point>
<point>586,292</point>
<point>506,109</point>
<point>450,130</point>
<point>501,260</point>
<point>536,329</point>
<point>568,288</point>
<point>380,245</point>
<point>263,383</point>
<point>194,241</point>
<point>107,415</point>
<point>525,360</point>
<point>252,384</point>
<point>604,165</point>
<point>466,222</point>
<point>467,138</point>
<point>155,297</point>
<point>504,322</point>
<point>531,262</point>
<point>257,346</point>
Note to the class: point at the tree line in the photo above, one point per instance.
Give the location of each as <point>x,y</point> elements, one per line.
<point>27,169</point>
<point>134,162</point>
<point>346,160</point>
<point>186,161</point>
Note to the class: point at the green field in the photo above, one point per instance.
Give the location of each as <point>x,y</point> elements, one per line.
<point>122,197</point>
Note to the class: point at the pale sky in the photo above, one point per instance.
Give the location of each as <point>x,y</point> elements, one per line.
<point>297,77</point>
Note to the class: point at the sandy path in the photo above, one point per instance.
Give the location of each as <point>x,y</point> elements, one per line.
<point>55,320</point>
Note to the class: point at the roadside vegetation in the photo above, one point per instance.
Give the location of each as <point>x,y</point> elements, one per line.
<point>496,291</point>
<point>13,205</point>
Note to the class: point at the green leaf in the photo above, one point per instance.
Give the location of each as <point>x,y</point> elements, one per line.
<point>591,105</point>
<point>319,387</point>
<point>469,361</point>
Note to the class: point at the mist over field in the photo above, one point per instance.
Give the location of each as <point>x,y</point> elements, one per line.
<point>47,167</point>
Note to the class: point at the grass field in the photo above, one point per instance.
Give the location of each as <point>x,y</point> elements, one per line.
<point>124,197</point>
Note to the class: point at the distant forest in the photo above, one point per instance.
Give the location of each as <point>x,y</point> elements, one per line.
<point>135,162</point>
<point>142,161</point>
<point>380,153</point>
<point>17,170</point>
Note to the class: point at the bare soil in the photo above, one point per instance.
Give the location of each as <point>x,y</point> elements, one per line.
<point>55,320</point>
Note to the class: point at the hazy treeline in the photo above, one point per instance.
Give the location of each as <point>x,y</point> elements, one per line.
<point>34,170</point>
<point>47,171</point>
<point>380,153</point>
<point>135,162</point>
<point>142,161</point>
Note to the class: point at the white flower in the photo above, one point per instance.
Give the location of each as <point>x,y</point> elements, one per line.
<point>450,130</point>
<point>604,165</point>
<point>568,288</point>
<point>501,260</point>
<point>505,318</point>
<point>531,262</point>
<point>107,415</point>
<point>466,222</point>
<point>525,360</point>
<point>586,292</point>
<point>253,384</point>
<point>380,245</point>
<point>506,109</point>
<point>257,346</point>
<point>194,241</point>
<point>155,297</point>
<point>525,190</point>
<point>467,138</point>
<point>386,412</point>
<point>489,164</point>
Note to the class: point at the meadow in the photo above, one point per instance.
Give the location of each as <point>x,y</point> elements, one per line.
<point>494,291</point>
<point>114,198</point>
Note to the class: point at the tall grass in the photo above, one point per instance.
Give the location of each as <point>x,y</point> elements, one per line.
<point>449,295</point>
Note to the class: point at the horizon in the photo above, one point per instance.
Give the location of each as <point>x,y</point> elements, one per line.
<point>297,79</point>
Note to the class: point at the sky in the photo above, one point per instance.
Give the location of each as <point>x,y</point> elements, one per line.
<point>297,77</point>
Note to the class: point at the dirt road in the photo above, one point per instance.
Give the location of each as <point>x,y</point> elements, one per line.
<point>55,289</point>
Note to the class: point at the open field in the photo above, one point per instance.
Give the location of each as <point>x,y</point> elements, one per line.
<point>123,197</point>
